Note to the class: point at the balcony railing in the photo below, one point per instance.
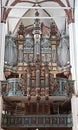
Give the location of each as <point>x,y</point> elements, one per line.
<point>37,121</point>
<point>57,87</point>
<point>61,87</point>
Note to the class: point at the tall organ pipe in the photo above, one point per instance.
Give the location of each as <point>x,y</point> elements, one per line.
<point>37,78</point>
<point>46,79</point>
<point>36,48</point>
<point>28,80</point>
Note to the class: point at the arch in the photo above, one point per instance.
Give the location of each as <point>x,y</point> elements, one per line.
<point>68,13</point>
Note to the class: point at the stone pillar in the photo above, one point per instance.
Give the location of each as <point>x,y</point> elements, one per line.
<point>76,40</point>
<point>74,101</point>
<point>72,52</point>
<point>2,49</point>
<point>74,105</point>
<point>1,104</point>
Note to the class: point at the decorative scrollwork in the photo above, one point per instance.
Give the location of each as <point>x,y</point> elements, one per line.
<point>54,85</point>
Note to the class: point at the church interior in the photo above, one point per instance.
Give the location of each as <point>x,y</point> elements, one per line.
<point>37,80</point>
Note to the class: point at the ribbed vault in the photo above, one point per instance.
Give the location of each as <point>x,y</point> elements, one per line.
<point>59,14</point>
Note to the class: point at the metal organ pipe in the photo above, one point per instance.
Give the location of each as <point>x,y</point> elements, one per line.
<point>37,78</point>
<point>46,80</point>
<point>28,80</point>
<point>36,46</point>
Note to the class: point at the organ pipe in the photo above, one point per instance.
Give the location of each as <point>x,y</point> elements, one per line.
<point>46,80</point>
<point>28,80</point>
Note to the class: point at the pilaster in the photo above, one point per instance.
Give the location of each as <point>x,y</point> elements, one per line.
<point>74,71</point>
<point>74,105</point>
<point>2,49</point>
<point>76,40</point>
<point>1,106</point>
<point>73,53</point>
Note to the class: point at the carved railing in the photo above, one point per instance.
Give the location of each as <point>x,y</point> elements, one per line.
<point>58,87</point>
<point>37,121</point>
<point>61,87</point>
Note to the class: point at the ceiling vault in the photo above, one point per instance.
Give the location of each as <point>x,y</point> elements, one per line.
<point>67,11</point>
<point>48,10</point>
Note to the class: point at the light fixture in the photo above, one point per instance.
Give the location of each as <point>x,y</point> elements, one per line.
<point>37,129</point>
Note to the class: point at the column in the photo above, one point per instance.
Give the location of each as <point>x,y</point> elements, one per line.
<point>74,105</point>
<point>2,49</point>
<point>72,52</point>
<point>2,27</point>
<point>74,71</point>
<point>1,104</point>
<point>75,98</point>
<point>76,41</point>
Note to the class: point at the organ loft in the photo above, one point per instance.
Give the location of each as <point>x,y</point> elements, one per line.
<point>38,82</point>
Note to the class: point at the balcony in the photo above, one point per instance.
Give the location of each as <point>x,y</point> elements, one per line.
<point>57,87</point>
<point>37,121</point>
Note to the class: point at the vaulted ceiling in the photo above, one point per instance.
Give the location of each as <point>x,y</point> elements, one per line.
<point>16,11</point>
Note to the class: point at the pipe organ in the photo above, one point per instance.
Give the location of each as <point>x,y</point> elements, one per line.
<point>38,87</point>
<point>37,58</point>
